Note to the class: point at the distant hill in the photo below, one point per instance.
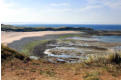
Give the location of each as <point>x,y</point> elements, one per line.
<point>30,29</point>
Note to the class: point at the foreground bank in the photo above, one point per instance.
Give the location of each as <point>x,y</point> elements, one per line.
<point>18,67</point>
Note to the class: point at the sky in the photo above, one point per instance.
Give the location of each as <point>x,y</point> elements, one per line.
<point>61,11</point>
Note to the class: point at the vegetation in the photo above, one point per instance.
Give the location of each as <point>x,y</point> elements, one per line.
<point>92,76</point>
<point>28,48</point>
<point>8,54</point>
<point>29,29</point>
<point>114,58</point>
<point>18,66</point>
<point>70,35</point>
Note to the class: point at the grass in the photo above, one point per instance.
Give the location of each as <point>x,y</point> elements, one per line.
<point>111,63</point>
<point>69,35</point>
<point>108,66</point>
<point>113,58</point>
<point>91,76</point>
<point>48,72</point>
<point>28,48</point>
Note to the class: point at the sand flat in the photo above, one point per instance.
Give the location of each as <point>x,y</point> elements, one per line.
<point>9,37</point>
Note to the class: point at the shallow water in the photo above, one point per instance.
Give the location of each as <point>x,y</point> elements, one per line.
<point>99,38</point>
<point>63,55</point>
<point>83,38</point>
<point>109,38</point>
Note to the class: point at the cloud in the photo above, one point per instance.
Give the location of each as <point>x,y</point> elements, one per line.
<point>113,4</point>
<point>107,3</point>
<point>90,7</point>
<point>11,13</point>
<point>58,10</point>
<point>96,4</point>
<point>62,12</point>
<point>59,4</point>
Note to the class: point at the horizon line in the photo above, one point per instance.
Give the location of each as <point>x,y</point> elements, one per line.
<point>21,23</point>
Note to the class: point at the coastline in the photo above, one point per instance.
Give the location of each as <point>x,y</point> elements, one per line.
<point>40,63</point>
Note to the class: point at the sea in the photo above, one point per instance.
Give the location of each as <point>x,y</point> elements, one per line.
<point>93,26</point>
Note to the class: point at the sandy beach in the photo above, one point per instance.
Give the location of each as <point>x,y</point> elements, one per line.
<point>9,37</point>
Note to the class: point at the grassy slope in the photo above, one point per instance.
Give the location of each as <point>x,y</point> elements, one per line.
<point>8,54</point>
<point>17,68</point>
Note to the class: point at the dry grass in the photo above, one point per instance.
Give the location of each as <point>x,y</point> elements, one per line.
<point>101,68</point>
<point>91,76</point>
<point>114,58</point>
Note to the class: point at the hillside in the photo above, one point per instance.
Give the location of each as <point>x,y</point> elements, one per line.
<point>8,54</point>
<point>16,66</point>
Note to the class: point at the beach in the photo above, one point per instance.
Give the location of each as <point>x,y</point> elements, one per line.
<point>73,45</point>
<point>9,37</point>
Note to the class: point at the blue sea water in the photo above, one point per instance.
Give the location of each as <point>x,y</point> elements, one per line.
<point>94,26</point>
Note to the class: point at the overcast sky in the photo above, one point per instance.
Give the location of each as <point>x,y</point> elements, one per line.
<point>61,11</point>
